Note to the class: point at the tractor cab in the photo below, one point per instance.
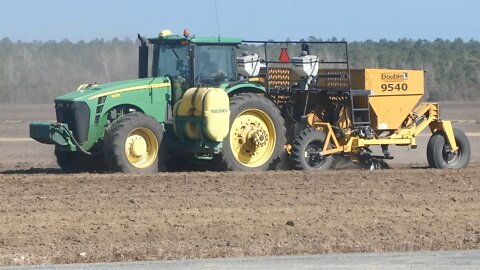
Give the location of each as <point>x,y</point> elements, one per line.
<point>190,61</point>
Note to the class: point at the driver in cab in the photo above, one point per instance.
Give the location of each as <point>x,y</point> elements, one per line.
<point>207,68</point>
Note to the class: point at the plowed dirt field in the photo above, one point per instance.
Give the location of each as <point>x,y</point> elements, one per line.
<point>50,217</point>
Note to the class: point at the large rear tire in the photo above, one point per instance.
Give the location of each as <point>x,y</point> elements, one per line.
<point>132,144</point>
<point>441,156</point>
<point>256,139</point>
<point>306,151</point>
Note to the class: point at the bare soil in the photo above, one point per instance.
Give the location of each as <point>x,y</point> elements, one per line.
<point>48,217</point>
<point>58,218</point>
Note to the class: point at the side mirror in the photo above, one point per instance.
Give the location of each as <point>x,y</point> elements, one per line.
<point>306,47</point>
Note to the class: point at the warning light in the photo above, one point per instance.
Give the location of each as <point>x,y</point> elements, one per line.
<point>165,33</point>
<point>284,58</point>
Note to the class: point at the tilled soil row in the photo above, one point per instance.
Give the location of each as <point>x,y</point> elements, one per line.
<point>60,218</point>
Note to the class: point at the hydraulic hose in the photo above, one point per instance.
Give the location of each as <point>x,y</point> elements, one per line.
<point>79,147</point>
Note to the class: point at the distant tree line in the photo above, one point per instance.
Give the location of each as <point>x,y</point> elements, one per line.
<point>36,72</point>
<point>453,67</point>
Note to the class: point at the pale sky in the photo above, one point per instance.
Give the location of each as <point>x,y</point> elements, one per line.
<point>354,20</point>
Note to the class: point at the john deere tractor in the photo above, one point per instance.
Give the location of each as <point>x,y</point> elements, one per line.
<point>191,105</point>
<point>209,102</point>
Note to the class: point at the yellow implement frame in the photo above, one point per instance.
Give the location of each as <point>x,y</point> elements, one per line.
<point>426,114</point>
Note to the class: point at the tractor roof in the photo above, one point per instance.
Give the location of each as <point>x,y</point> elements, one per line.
<point>210,40</point>
<point>196,40</point>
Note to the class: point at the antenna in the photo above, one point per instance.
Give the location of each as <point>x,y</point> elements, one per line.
<point>218,24</point>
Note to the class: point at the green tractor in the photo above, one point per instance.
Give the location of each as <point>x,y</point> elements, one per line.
<point>193,106</point>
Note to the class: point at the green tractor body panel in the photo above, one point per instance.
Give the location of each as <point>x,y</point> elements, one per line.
<point>85,113</point>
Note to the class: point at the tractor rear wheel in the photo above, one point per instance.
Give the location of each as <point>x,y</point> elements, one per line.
<point>440,153</point>
<point>306,151</point>
<point>256,138</point>
<point>132,144</point>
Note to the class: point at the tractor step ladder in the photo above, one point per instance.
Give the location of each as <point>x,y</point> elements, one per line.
<point>359,100</point>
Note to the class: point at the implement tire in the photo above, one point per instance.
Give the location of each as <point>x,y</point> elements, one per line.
<point>305,150</point>
<point>440,156</point>
<point>432,139</point>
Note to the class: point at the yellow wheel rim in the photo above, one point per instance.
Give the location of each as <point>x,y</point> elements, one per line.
<point>141,148</point>
<point>252,138</point>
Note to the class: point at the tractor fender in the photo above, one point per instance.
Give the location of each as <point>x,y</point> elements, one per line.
<point>245,88</point>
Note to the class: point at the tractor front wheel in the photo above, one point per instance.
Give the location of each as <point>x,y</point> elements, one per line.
<point>76,162</point>
<point>306,151</point>
<point>132,144</point>
<point>439,152</point>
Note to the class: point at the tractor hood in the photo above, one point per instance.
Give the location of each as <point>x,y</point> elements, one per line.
<point>90,92</point>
